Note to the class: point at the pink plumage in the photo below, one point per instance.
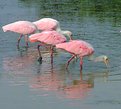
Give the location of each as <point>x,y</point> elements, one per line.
<point>47,24</point>
<point>21,27</point>
<point>77,47</point>
<point>47,37</point>
<point>50,24</point>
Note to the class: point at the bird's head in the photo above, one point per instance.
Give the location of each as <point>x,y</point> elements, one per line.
<point>105,60</point>
<point>68,34</point>
<point>102,58</point>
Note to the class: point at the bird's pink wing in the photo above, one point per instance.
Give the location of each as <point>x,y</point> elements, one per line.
<point>48,37</point>
<point>52,37</point>
<point>38,37</point>
<point>46,24</point>
<point>72,47</point>
<point>86,48</point>
<point>76,47</point>
<point>22,27</point>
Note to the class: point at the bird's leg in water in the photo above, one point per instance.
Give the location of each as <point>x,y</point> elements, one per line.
<point>40,57</point>
<point>26,40</point>
<point>69,61</point>
<point>81,75</point>
<point>19,40</point>
<point>51,53</point>
<point>81,63</point>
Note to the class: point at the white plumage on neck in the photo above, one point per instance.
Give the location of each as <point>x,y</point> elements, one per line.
<point>99,58</point>
<point>65,33</point>
<point>102,58</point>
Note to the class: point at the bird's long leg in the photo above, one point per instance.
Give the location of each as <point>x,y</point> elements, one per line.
<point>69,61</point>
<point>51,54</point>
<point>81,63</point>
<point>26,40</point>
<point>40,56</point>
<point>81,75</point>
<point>19,40</point>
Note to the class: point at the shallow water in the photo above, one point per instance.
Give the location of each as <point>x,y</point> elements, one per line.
<point>26,84</point>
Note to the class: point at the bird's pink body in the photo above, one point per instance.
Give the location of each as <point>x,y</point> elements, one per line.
<point>47,37</point>
<point>47,24</point>
<point>77,47</point>
<point>21,27</point>
<point>50,38</point>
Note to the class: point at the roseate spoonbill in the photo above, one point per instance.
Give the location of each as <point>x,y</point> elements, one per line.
<point>21,27</point>
<point>51,24</point>
<point>47,38</point>
<point>80,48</point>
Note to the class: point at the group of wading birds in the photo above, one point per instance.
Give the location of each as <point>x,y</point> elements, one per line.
<point>48,33</point>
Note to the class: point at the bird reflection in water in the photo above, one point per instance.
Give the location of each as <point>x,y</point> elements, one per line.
<point>20,62</point>
<point>62,83</point>
<point>46,79</point>
<point>49,77</point>
<point>78,88</point>
<point>20,68</point>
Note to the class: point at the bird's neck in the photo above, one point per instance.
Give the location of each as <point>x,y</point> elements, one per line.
<point>67,34</point>
<point>96,59</point>
<point>37,30</point>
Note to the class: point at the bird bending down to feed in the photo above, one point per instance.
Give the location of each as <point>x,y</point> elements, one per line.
<point>21,27</point>
<point>51,24</point>
<point>80,48</point>
<point>50,38</point>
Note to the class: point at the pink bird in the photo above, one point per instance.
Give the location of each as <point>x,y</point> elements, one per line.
<point>50,38</point>
<point>80,48</point>
<point>51,24</point>
<point>21,27</point>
